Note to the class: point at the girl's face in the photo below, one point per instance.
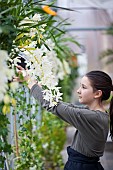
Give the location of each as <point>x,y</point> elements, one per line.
<point>85,92</point>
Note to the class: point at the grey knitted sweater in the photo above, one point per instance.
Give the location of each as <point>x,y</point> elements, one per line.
<point>92,126</point>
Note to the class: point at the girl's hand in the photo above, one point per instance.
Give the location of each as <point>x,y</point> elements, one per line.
<point>25,77</point>
<point>22,75</point>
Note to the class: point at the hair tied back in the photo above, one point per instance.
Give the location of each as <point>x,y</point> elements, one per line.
<point>112,88</point>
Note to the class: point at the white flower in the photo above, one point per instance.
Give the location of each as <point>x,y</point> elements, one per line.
<point>38,53</point>
<point>25,21</point>
<point>50,43</point>
<point>44,25</point>
<point>11,60</point>
<point>33,31</point>
<point>33,146</point>
<point>37,17</point>
<point>6,99</point>
<point>47,94</point>
<point>42,30</point>
<point>14,86</point>
<point>66,67</point>
<point>33,168</point>
<point>33,44</point>
<point>52,95</point>
<point>3,55</point>
<point>44,49</point>
<point>49,81</point>
<point>16,60</point>
<point>5,74</point>
<point>57,94</point>
<point>45,145</point>
<point>45,65</point>
<point>10,73</point>
<point>1,96</point>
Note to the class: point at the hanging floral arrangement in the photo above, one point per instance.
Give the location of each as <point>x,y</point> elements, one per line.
<point>28,31</point>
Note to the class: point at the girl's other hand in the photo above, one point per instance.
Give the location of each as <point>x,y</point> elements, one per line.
<point>25,77</point>
<point>22,75</point>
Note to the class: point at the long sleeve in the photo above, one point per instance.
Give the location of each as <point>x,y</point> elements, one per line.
<point>72,114</point>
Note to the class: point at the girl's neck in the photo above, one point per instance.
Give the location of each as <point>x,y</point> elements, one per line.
<point>97,106</point>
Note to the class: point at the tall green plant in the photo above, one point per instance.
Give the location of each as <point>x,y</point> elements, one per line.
<point>4,146</point>
<point>29,144</point>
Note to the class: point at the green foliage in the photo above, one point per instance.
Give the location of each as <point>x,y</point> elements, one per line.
<point>107,53</point>
<point>39,147</point>
<point>40,143</point>
<point>11,14</point>
<point>29,156</point>
<point>4,146</point>
<point>68,83</point>
<point>52,140</point>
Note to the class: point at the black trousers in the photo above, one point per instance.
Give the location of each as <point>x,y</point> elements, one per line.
<point>78,161</point>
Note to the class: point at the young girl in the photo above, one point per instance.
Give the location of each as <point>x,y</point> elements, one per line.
<point>91,121</point>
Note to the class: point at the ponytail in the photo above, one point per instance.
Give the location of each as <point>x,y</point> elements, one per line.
<point>111,118</point>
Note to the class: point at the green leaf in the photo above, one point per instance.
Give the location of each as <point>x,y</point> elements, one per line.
<point>106,53</point>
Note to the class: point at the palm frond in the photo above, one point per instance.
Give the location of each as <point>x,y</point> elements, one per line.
<point>106,53</point>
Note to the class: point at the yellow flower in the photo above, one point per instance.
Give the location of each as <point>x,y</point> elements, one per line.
<point>55,103</point>
<point>14,86</point>
<point>48,10</point>
<point>41,36</point>
<point>6,109</point>
<point>13,102</point>
<point>39,40</point>
<point>6,99</point>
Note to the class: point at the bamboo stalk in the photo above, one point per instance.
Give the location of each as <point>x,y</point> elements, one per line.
<point>16,137</point>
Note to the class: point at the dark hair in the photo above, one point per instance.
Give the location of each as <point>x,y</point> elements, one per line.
<point>102,81</point>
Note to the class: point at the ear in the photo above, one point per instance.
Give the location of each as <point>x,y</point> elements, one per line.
<point>98,94</point>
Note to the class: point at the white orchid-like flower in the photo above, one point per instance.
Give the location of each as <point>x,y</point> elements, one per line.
<point>14,86</point>
<point>6,74</point>
<point>33,168</point>
<point>37,17</point>
<point>43,63</point>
